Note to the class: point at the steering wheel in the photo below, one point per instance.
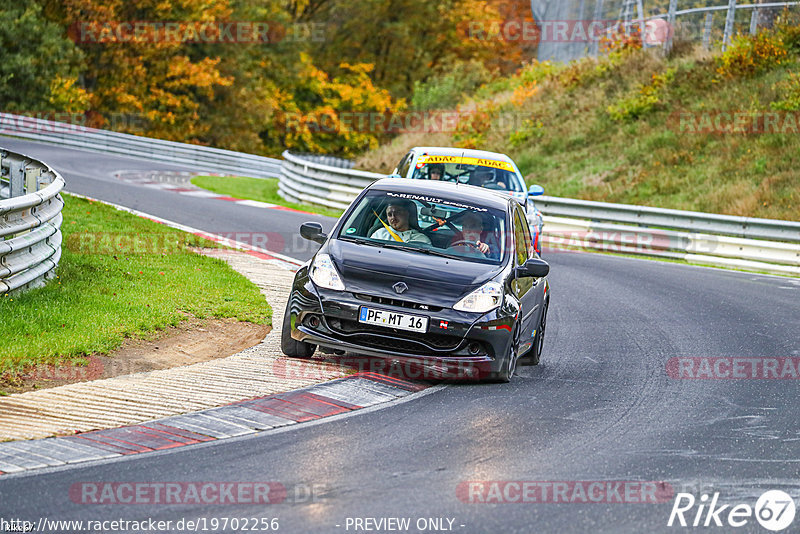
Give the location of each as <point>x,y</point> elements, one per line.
<point>440,222</point>
<point>465,242</point>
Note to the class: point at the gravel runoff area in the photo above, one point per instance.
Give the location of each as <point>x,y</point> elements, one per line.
<point>136,398</point>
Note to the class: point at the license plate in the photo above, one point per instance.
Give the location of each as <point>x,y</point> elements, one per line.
<point>402,321</point>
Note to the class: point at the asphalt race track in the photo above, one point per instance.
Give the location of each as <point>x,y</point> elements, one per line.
<point>601,407</point>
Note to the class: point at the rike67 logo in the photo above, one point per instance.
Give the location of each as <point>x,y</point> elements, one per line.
<point>774,510</point>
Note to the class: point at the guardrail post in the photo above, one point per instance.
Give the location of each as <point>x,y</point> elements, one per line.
<point>671,17</point>
<point>15,179</point>
<point>707,31</point>
<point>598,16</point>
<point>729,20</point>
<point>642,23</point>
<point>32,179</point>
<point>581,15</point>
<point>754,22</point>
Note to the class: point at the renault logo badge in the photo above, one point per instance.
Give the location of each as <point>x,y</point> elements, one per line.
<point>400,288</point>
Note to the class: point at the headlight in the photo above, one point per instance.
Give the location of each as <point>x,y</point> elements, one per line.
<point>323,273</point>
<point>485,298</point>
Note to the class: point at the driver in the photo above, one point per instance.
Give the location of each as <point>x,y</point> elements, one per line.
<point>482,177</point>
<point>435,171</point>
<point>469,239</point>
<point>398,215</point>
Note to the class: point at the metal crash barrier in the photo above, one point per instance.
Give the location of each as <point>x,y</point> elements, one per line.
<point>30,222</point>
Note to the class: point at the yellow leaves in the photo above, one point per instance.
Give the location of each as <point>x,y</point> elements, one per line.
<point>182,73</point>
<point>524,92</point>
<point>749,55</point>
<point>342,114</point>
<point>66,96</point>
<point>151,80</point>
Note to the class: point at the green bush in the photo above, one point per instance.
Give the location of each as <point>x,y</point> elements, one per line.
<point>644,100</point>
<point>788,27</point>
<point>447,91</point>
<point>790,90</point>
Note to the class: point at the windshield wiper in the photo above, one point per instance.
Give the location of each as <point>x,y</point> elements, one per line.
<point>363,241</point>
<point>384,244</point>
<point>433,252</point>
<point>430,251</point>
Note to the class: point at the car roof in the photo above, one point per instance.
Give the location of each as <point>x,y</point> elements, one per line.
<point>466,152</point>
<point>448,190</point>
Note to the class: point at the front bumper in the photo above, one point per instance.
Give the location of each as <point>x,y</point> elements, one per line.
<point>456,344</point>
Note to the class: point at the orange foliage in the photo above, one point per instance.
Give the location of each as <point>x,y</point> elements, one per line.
<point>153,79</point>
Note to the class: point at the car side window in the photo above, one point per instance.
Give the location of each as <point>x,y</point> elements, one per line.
<point>405,165</point>
<point>522,238</point>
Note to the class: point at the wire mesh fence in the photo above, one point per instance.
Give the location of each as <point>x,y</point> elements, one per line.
<point>571,29</point>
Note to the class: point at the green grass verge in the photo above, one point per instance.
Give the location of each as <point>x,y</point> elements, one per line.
<point>260,189</point>
<point>119,276</point>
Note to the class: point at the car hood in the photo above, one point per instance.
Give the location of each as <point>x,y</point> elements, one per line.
<point>431,280</point>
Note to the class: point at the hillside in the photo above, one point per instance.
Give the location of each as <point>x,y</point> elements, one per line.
<point>709,132</point>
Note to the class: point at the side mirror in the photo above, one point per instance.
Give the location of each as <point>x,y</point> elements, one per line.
<point>394,175</point>
<point>534,267</point>
<point>536,190</point>
<point>313,232</point>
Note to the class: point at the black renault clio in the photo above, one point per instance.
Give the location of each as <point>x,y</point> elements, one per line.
<point>440,274</point>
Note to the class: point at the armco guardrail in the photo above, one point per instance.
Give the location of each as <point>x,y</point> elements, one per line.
<point>30,221</point>
<point>561,233</point>
<point>306,180</point>
<point>723,240</point>
<point>745,227</point>
<point>181,154</point>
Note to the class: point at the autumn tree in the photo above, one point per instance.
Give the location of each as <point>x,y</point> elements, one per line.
<point>39,66</point>
<point>409,40</point>
<point>161,80</point>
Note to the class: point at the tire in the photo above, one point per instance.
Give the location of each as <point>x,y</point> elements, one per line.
<point>510,364</point>
<point>290,346</point>
<point>538,343</point>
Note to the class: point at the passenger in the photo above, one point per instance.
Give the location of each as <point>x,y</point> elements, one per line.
<point>471,239</point>
<point>398,213</point>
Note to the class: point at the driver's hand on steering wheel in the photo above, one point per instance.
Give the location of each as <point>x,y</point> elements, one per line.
<point>483,247</point>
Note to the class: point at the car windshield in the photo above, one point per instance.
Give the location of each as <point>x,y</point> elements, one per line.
<point>491,174</point>
<point>428,225</point>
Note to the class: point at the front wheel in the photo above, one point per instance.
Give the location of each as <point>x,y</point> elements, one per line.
<point>510,363</point>
<point>538,343</point>
<point>290,346</point>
